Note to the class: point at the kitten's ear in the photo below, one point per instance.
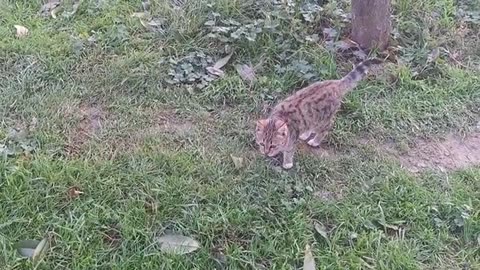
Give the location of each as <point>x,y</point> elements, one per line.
<point>282,128</point>
<point>261,124</point>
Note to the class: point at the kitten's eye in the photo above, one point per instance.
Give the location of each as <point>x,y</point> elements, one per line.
<point>262,144</point>
<point>271,147</point>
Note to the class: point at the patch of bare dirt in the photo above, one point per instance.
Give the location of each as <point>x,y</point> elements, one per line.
<point>324,151</point>
<point>452,153</point>
<point>165,121</point>
<point>89,126</point>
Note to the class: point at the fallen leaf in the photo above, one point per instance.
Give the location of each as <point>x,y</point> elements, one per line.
<point>209,23</point>
<point>54,11</point>
<point>433,55</point>
<point>360,54</point>
<point>74,192</point>
<point>154,25</point>
<point>388,226</point>
<point>26,248</point>
<point>312,38</point>
<point>308,261</point>
<point>177,244</point>
<point>146,5</point>
<point>151,207</point>
<point>47,9</point>
<point>33,249</point>
<point>329,33</point>
<point>321,229</point>
<point>75,6</point>
<point>215,71</point>
<point>33,124</point>
<point>5,151</point>
<point>216,68</point>
<point>22,31</point>
<point>41,249</point>
<point>223,61</point>
<point>19,135</point>
<point>346,44</point>
<point>246,72</point>
<point>139,15</point>
<point>237,161</point>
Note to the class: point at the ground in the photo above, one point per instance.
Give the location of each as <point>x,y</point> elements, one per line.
<point>112,133</point>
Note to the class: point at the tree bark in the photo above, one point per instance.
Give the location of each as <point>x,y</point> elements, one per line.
<point>371,23</point>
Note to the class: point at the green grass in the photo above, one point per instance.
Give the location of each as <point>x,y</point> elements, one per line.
<point>142,178</point>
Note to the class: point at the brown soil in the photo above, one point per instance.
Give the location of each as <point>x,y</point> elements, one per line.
<point>89,126</point>
<point>449,154</point>
<point>452,153</point>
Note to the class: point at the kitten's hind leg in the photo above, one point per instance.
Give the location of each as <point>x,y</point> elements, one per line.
<point>304,136</point>
<point>320,134</point>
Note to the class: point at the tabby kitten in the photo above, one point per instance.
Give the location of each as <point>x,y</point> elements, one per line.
<point>306,115</point>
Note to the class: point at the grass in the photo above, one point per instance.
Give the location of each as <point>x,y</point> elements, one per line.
<point>159,159</point>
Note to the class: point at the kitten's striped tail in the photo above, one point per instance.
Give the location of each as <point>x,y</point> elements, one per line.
<point>358,73</point>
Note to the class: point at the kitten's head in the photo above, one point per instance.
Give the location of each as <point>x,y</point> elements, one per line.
<point>271,136</point>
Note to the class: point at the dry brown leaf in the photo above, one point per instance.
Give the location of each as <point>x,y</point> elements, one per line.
<point>74,192</point>
<point>49,7</point>
<point>223,61</point>
<point>322,230</point>
<point>177,244</point>
<point>216,68</point>
<point>215,71</point>
<point>433,55</point>
<point>237,161</point>
<point>22,31</point>
<point>139,15</point>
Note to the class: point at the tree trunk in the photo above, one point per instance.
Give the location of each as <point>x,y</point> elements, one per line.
<point>371,23</point>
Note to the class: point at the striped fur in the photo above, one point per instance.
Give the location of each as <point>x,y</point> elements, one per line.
<point>358,73</point>
<point>307,114</point>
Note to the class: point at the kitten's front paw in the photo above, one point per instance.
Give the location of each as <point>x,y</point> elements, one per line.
<point>304,136</point>
<point>287,166</point>
<point>313,143</point>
